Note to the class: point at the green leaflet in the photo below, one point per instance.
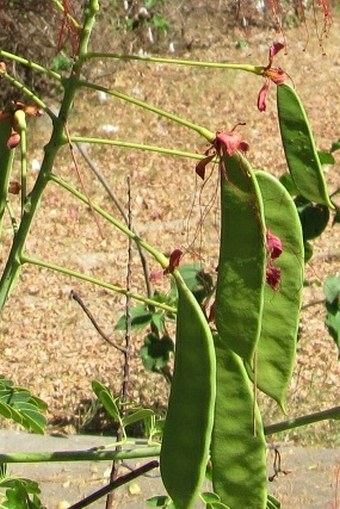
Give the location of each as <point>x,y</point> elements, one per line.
<point>277,343</point>
<point>241,267</point>
<point>299,146</point>
<point>238,454</point>
<point>189,421</point>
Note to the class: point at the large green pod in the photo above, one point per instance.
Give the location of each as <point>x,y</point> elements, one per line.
<point>299,146</point>
<point>189,421</point>
<point>277,344</point>
<point>242,259</point>
<point>238,449</point>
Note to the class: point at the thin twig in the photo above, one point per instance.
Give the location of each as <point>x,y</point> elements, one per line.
<point>115,484</point>
<point>94,168</point>
<point>74,295</point>
<point>81,180</point>
<point>126,365</point>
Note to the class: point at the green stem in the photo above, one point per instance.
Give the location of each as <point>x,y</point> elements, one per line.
<point>16,83</point>
<point>30,64</point>
<point>89,455</point>
<point>147,452</point>
<point>138,146</point>
<point>202,131</point>
<point>14,262</point>
<point>174,61</point>
<point>95,281</point>
<point>161,259</point>
<point>332,413</point>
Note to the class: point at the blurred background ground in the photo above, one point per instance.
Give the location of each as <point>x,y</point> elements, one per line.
<point>48,344</point>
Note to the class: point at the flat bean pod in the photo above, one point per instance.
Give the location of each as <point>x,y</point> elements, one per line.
<point>189,421</point>
<point>242,259</point>
<point>277,344</point>
<point>238,457</point>
<point>299,146</point>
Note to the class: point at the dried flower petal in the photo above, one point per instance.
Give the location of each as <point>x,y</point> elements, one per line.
<point>231,141</point>
<point>14,187</point>
<point>14,140</point>
<point>273,50</point>
<point>175,258</point>
<point>273,276</point>
<point>261,99</point>
<point>274,245</point>
<point>200,167</point>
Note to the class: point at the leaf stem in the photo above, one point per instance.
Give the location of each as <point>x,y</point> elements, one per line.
<point>202,131</point>
<point>87,455</point>
<point>137,146</point>
<point>98,282</point>
<point>161,259</point>
<point>332,413</point>
<point>175,61</point>
<point>31,64</point>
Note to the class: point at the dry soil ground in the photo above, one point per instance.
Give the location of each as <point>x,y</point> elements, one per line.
<point>48,344</point>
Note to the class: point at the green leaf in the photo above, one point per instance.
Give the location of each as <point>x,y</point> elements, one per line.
<point>158,501</point>
<point>314,218</point>
<point>332,293</point>
<point>326,158</point>
<point>20,405</point>
<point>309,250</point>
<point>199,282</point>
<point>140,317</point>
<point>332,288</point>
<point>208,497</point>
<point>155,353</point>
<point>335,146</point>
<point>106,398</point>
<point>138,415</point>
<point>299,146</point>
<point>288,182</point>
<point>272,503</point>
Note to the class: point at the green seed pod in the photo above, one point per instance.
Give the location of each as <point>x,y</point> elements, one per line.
<point>299,146</point>
<point>238,449</point>
<point>277,344</point>
<point>189,421</point>
<point>242,259</point>
<point>6,162</point>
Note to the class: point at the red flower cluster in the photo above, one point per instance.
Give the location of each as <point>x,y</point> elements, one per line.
<point>274,250</point>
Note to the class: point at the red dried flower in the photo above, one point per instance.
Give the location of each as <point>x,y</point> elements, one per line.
<point>271,74</point>
<point>273,276</point>
<point>274,245</point>
<point>175,258</point>
<point>225,142</point>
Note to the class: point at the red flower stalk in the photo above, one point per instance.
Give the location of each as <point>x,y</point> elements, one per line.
<point>225,142</point>
<point>271,74</point>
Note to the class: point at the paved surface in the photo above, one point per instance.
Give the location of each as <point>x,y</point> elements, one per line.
<point>310,483</point>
